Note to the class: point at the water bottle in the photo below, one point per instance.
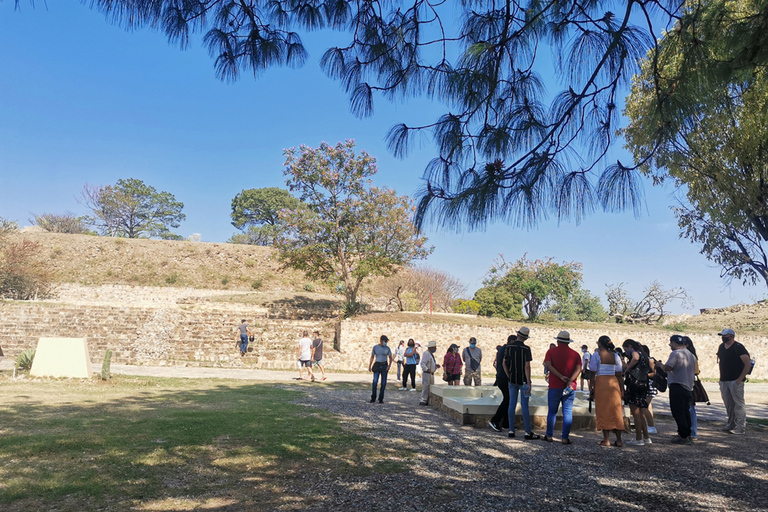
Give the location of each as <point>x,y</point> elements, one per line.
<point>567,391</point>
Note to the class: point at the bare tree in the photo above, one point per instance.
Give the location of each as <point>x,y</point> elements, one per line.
<point>649,309</point>
<point>412,287</point>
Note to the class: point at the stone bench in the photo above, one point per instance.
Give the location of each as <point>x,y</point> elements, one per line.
<point>476,405</point>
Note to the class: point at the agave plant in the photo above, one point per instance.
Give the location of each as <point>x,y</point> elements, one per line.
<point>24,361</point>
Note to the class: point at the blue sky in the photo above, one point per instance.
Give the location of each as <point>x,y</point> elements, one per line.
<point>82,101</point>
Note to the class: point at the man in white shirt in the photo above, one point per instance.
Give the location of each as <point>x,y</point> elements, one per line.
<point>304,354</point>
<point>428,368</point>
<point>585,369</point>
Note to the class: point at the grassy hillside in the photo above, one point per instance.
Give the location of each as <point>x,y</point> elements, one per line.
<point>93,260</point>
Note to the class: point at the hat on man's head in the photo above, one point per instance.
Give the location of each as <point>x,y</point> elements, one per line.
<point>676,338</point>
<point>523,333</point>
<point>432,344</point>
<point>564,337</point>
<point>727,332</point>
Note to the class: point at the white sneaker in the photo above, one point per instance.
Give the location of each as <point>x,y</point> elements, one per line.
<point>652,430</point>
<point>648,441</point>
<point>412,389</point>
<point>402,389</point>
<point>635,442</point>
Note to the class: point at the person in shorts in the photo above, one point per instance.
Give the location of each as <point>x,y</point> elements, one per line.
<point>304,353</point>
<point>317,353</point>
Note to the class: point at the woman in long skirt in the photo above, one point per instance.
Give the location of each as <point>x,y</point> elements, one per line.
<point>608,388</point>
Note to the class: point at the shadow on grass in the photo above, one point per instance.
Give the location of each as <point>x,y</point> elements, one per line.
<point>130,446</point>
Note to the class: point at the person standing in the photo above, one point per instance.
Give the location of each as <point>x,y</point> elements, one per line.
<point>412,359</point>
<point>381,360</point>
<point>400,357</point>
<point>500,420</point>
<point>680,368</point>
<point>517,366</point>
<point>304,354</point>
<point>472,356</point>
<point>733,359</point>
<point>564,365</point>
<point>636,395</point>
<point>607,386</point>
<point>428,368</point>
<point>452,365</point>
<point>317,353</point>
<point>244,333</point>
<point>585,369</point>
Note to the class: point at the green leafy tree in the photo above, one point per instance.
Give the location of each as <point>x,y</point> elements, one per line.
<point>708,138</point>
<point>349,230</point>
<point>499,302</point>
<point>581,305</point>
<point>132,209</point>
<point>256,211</point>
<point>540,283</point>
<point>505,150</point>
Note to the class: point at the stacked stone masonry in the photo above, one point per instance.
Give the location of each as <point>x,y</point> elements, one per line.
<point>185,332</point>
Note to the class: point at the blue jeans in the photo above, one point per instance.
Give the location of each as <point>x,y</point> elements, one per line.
<point>694,422</point>
<point>554,398</point>
<point>243,342</point>
<point>513,391</point>
<point>376,375</point>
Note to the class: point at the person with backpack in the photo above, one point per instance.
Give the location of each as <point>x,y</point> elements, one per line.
<point>412,359</point>
<point>733,359</point>
<point>636,390</point>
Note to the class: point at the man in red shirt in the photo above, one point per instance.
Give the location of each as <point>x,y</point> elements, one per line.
<point>564,365</point>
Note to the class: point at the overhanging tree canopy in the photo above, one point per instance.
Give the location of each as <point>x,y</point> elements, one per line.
<point>504,149</point>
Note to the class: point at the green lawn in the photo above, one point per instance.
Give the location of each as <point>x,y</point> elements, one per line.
<point>168,444</point>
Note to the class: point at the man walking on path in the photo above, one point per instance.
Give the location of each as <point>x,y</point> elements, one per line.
<point>681,369</point>
<point>564,366</point>
<point>472,356</point>
<point>381,360</point>
<point>734,362</point>
<point>304,355</point>
<point>244,333</point>
<point>428,368</point>
<point>317,353</point>
<point>500,420</point>
<point>517,366</point>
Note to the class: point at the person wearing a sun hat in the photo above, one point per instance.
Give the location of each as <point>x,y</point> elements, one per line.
<point>428,368</point>
<point>564,366</point>
<point>734,363</point>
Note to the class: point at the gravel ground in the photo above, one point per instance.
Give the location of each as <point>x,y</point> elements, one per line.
<point>459,468</point>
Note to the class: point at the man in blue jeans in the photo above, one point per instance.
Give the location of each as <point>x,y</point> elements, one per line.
<point>564,365</point>
<point>517,367</point>
<point>381,360</point>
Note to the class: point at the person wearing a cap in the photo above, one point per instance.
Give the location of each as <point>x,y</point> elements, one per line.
<point>428,368</point>
<point>733,359</point>
<point>472,355</point>
<point>564,366</point>
<point>517,366</point>
<point>381,360</point>
<point>681,369</point>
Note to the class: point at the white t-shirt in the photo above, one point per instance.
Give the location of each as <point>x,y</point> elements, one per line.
<point>586,360</point>
<point>306,349</point>
<point>604,369</point>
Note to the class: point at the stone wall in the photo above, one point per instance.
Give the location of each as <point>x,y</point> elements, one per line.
<point>198,334</point>
<point>189,335</point>
<point>360,336</point>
